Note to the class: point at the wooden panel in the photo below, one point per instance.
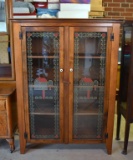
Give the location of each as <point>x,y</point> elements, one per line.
<point>112,86</point>
<point>3,124</point>
<point>71,61</point>
<point>61,78</point>
<point>2,105</point>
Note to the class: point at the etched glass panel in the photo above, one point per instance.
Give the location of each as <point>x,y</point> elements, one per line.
<point>89,81</point>
<point>5,51</point>
<point>43,82</point>
<point>3,25</point>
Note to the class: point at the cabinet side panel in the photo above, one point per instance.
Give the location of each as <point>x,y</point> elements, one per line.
<point>3,124</point>
<point>19,84</point>
<point>112,86</point>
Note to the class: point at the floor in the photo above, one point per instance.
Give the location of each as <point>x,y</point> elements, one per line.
<point>69,152</point>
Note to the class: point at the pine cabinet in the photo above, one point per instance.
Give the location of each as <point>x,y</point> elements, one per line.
<point>66,80</point>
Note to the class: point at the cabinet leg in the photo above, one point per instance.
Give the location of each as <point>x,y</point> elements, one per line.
<point>118,126</point>
<point>109,151</point>
<point>127,130</point>
<point>22,146</point>
<point>11,143</point>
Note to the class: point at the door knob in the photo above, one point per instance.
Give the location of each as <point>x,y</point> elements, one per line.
<point>61,70</point>
<point>71,70</point>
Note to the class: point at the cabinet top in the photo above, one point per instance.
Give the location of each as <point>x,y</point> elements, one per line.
<point>128,23</point>
<point>50,20</point>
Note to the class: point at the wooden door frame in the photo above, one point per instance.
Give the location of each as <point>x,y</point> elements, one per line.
<point>109,99</point>
<point>112,86</point>
<point>25,85</point>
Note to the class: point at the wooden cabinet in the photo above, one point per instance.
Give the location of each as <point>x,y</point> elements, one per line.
<point>66,80</point>
<point>8,113</point>
<point>125,103</point>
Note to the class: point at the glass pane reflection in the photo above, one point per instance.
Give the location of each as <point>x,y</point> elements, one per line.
<point>2,16</point>
<point>43,81</point>
<point>89,81</point>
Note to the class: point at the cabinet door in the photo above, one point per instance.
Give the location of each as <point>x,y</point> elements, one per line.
<point>3,118</point>
<point>89,80</point>
<point>43,83</point>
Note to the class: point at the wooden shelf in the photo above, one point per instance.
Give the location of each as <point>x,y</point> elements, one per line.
<point>90,57</point>
<point>41,113</point>
<point>38,57</point>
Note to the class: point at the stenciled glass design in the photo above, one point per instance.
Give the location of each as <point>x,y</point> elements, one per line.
<point>43,84</point>
<point>89,82</point>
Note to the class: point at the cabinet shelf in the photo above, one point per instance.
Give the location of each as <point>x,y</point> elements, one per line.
<point>87,114</point>
<point>5,65</point>
<point>38,57</point>
<point>41,113</point>
<point>90,57</point>
<point>85,98</point>
<point>84,86</point>
<point>42,87</point>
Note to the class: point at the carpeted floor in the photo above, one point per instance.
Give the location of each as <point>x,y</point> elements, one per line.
<point>69,152</point>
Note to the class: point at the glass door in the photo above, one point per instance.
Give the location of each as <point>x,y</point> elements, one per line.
<point>88,84</point>
<point>6,57</point>
<point>44,58</point>
<point>3,16</point>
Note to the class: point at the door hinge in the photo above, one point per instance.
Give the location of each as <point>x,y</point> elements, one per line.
<point>106,135</point>
<point>25,135</point>
<point>20,35</point>
<point>112,36</point>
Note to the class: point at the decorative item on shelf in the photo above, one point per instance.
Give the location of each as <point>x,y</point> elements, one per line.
<point>23,9</point>
<point>88,86</point>
<point>74,9</point>
<point>46,8</point>
<point>42,84</point>
<point>40,4</point>
<point>39,0</point>
<point>53,4</point>
<point>47,13</point>
<point>27,0</point>
<point>74,1</point>
<point>4,56</point>
<point>96,9</point>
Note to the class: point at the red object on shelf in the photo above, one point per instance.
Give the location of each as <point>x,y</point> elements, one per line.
<point>87,80</point>
<point>40,4</point>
